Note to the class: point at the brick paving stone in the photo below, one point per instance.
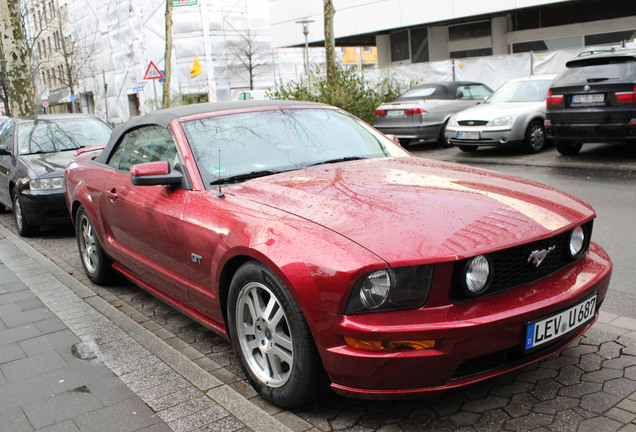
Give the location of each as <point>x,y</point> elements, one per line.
<point>211,413</point>
<point>492,421</point>
<point>569,375</point>
<point>485,404</point>
<point>581,389</point>
<point>546,389</point>
<point>520,405</point>
<point>610,350</point>
<point>622,362</point>
<point>528,421</point>
<point>621,387</point>
<point>599,424</point>
<point>598,402</point>
<point>591,362</point>
<point>537,375</point>
<point>556,405</point>
<point>567,420</point>
<point>602,375</point>
<point>620,415</point>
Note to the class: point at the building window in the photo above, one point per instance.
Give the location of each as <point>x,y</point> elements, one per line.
<point>571,13</point>
<point>469,30</point>
<point>548,44</point>
<point>610,38</point>
<point>43,78</point>
<point>367,49</point>
<point>479,52</point>
<point>400,46</point>
<point>419,45</point>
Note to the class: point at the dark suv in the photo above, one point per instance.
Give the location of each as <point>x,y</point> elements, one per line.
<point>593,100</point>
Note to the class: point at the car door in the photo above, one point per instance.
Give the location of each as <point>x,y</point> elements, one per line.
<point>6,163</point>
<point>145,223</point>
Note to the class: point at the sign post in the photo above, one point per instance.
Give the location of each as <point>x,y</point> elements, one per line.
<point>153,73</point>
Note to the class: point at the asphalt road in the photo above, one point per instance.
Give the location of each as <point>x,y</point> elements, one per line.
<point>603,175</point>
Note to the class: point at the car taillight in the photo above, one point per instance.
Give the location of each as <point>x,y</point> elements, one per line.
<point>626,97</point>
<point>380,112</point>
<point>553,100</point>
<point>415,111</point>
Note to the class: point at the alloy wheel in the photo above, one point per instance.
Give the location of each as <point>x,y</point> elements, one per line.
<point>264,334</point>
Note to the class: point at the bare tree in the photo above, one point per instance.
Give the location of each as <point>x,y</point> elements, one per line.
<point>75,52</point>
<point>330,50</point>
<point>250,54</point>
<point>18,79</point>
<point>167,56</point>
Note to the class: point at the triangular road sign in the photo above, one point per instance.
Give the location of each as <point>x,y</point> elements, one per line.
<point>152,72</point>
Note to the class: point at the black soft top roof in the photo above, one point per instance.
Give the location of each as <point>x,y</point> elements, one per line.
<point>165,116</point>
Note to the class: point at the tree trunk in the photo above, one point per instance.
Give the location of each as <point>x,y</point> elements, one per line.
<point>167,56</point>
<point>19,81</point>
<point>330,50</point>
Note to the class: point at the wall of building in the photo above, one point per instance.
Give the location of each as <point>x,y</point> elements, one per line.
<point>371,16</point>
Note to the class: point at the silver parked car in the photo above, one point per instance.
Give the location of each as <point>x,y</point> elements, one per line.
<point>423,112</point>
<point>513,115</point>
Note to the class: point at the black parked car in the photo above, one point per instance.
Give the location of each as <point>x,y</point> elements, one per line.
<point>593,100</point>
<point>34,153</point>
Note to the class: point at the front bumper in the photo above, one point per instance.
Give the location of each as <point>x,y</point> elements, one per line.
<point>475,340</point>
<point>46,208</point>
<point>488,136</point>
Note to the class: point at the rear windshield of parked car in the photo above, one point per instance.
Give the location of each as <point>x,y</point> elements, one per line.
<point>431,92</point>
<point>47,136</point>
<point>598,70</point>
<point>279,140</point>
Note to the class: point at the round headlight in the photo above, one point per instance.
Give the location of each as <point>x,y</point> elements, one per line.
<point>375,289</point>
<point>577,240</point>
<point>477,274</point>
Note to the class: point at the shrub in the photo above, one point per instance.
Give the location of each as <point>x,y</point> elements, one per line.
<point>349,90</point>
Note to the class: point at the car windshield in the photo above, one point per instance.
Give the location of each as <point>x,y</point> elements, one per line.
<point>521,91</point>
<point>54,135</point>
<point>236,147</point>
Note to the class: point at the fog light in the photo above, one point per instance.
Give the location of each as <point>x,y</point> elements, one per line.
<point>477,275</point>
<point>389,345</point>
<point>577,240</point>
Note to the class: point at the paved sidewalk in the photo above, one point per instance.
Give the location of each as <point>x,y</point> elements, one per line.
<point>69,361</point>
<point>50,380</point>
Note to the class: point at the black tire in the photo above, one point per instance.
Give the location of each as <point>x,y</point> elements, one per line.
<point>24,228</point>
<point>441,139</point>
<point>264,345</point>
<point>404,142</point>
<point>534,140</point>
<point>468,149</point>
<point>567,147</point>
<point>95,262</point>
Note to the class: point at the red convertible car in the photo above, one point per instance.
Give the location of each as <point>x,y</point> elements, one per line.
<point>329,255</point>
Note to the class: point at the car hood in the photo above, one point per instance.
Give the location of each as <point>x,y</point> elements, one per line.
<point>487,112</point>
<point>412,210</point>
<point>43,164</point>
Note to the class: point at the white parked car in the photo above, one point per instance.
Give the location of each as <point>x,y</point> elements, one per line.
<point>513,115</point>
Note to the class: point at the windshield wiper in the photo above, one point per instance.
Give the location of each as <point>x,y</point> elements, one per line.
<point>241,177</point>
<point>342,159</point>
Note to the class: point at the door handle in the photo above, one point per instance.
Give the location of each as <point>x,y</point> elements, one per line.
<point>112,194</point>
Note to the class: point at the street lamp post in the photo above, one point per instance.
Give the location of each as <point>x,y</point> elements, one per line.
<point>305,23</point>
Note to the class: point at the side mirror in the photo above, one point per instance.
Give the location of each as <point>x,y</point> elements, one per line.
<point>155,174</point>
<point>393,138</point>
<point>4,151</point>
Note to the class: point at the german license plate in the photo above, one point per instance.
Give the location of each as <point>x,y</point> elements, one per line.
<point>395,113</point>
<point>588,98</point>
<point>554,326</point>
<point>468,135</point>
